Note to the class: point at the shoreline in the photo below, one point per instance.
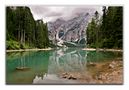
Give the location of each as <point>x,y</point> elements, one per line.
<point>100,73</point>
<point>35,49</point>
<point>94,49</point>
<point>45,49</point>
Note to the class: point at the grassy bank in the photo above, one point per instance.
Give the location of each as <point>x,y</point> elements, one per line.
<point>35,49</point>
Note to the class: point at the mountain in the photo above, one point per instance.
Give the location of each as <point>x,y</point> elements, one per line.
<point>70,32</point>
<point>53,26</point>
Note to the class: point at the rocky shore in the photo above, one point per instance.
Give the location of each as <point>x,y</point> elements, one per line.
<point>98,73</point>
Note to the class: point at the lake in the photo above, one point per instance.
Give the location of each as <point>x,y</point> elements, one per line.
<point>45,67</point>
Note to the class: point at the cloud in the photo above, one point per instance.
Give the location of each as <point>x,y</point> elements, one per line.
<point>50,13</point>
<point>53,14</point>
<point>39,9</point>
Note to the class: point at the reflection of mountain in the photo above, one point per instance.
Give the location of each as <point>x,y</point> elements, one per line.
<point>66,60</point>
<point>63,60</point>
<point>45,66</point>
<point>72,30</point>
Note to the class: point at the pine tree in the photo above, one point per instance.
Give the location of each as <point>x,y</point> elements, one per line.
<point>23,31</point>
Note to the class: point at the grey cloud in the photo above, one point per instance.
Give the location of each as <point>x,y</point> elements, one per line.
<point>82,10</point>
<point>53,14</point>
<point>39,9</point>
<point>66,12</point>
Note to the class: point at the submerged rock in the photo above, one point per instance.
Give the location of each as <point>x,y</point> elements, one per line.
<point>91,64</point>
<point>69,76</point>
<point>103,73</point>
<point>22,68</point>
<point>112,64</point>
<point>72,77</point>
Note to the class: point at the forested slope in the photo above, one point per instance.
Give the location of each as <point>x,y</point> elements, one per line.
<point>22,31</point>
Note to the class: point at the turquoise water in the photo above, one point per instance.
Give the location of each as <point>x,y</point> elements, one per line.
<point>42,67</point>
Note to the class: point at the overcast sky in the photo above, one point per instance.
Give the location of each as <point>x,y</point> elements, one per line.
<point>51,13</point>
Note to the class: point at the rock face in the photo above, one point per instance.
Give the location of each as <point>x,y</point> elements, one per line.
<point>72,31</point>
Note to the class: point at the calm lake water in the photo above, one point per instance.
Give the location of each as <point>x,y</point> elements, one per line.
<point>43,67</point>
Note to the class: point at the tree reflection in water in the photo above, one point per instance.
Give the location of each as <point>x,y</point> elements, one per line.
<point>63,60</point>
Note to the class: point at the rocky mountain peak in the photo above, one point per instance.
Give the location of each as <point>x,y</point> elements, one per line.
<point>70,31</point>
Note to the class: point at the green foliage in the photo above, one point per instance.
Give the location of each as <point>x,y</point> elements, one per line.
<point>108,31</point>
<point>21,28</point>
<point>42,40</point>
<point>12,44</point>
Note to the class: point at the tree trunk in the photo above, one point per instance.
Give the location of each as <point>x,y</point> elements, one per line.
<point>24,37</point>
<point>21,40</point>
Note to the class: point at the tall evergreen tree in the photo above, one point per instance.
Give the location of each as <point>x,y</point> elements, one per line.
<point>22,31</point>
<point>42,40</point>
<point>108,31</point>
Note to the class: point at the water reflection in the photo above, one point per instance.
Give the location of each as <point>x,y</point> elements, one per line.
<point>36,61</point>
<point>66,60</point>
<point>62,60</point>
<point>51,79</point>
<point>45,66</point>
